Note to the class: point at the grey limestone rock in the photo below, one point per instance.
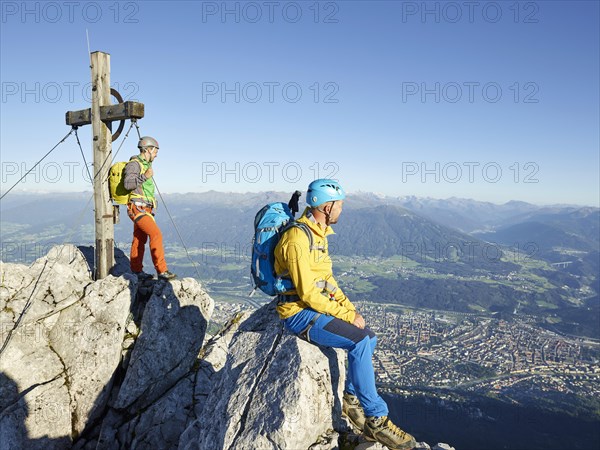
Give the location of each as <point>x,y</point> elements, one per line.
<point>155,401</point>
<point>442,446</point>
<point>157,427</point>
<point>57,361</point>
<point>88,337</point>
<point>275,391</point>
<point>50,284</point>
<point>214,356</point>
<point>172,332</point>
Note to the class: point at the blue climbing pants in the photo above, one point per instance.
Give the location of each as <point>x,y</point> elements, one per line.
<point>330,331</point>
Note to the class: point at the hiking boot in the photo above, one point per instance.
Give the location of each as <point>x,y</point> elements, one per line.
<point>353,411</point>
<point>166,275</point>
<point>382,430</point>
<point>143,275</point>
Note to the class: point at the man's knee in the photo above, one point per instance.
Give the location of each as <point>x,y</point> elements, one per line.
<point>141,237</point>
<point>348,331</point>
<point>371,334</point>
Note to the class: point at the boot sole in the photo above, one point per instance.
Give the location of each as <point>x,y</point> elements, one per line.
<point>402,447</point>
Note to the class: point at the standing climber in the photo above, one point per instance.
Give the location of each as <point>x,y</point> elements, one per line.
<point>140,209</point>
<point>319,312</point>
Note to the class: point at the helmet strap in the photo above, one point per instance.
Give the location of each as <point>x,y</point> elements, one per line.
<point>327,214</point>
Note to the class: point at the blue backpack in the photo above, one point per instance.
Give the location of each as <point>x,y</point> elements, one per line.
<point>270,223</point>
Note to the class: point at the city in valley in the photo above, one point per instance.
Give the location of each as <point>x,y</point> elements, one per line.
<point>472,353</point>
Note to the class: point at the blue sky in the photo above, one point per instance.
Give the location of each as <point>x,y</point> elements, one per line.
<point>494,101</point>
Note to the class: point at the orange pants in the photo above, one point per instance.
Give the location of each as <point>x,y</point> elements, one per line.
<point>145,226</point>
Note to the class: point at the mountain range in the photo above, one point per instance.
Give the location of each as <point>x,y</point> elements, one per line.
<point>372,225</point>
<point>464,255</point>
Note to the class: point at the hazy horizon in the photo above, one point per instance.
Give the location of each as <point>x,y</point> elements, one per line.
<point>349,193</point>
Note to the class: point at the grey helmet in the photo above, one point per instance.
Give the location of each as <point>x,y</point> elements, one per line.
<point>147,141</point>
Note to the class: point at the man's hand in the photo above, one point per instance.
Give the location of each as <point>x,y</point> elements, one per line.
<point>149,173</point>
<point>359,321</point>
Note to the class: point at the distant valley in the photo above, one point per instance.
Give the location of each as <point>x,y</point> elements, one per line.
<point>455,254</point>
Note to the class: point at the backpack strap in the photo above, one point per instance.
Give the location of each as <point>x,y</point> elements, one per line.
<point>139,160</point>
<point>307,231</point>
<point>132,195</point>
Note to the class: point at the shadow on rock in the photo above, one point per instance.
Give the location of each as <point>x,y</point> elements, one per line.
<point>14,415</point>
<point>154,401</point>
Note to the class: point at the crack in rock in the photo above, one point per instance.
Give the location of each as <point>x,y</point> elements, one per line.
<point>74,432</point>
<point>268,359</point>
<point>30,389</point>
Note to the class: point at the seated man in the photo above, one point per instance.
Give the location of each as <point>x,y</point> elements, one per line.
<point>319,312</point>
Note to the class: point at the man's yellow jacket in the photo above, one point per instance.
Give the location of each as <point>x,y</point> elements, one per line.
<point>308,269</point>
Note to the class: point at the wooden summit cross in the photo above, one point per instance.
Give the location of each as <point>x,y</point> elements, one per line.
<point>101,115</point>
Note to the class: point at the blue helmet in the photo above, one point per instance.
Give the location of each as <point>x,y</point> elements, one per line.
<point>324,190</point>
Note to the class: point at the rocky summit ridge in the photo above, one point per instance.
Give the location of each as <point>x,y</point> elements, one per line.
<point>123,364</point>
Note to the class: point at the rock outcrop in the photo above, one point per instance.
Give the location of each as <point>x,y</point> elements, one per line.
<point>117,364</point>
<point>61,343</point>
<point>275,391</point>
<point>63,369</point>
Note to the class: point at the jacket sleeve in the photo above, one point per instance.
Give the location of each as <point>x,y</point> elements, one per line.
<point>341,298</point>
<point>133,175</point>
<point>339,295</point>
<point>295,252</point>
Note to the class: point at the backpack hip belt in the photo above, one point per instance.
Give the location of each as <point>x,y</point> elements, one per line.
<point>327,289</point>
<point>283,298</point>
<point>304,333</point>
<point>142,204</point>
